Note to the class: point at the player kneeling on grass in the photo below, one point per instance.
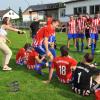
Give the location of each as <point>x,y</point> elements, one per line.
<point>34,62</point>
<point>64,65</point>
<point>83,81</point>
<point>21,54</point>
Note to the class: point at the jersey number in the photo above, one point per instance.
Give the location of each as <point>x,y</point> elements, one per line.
<point>62,70</point>
<point>79,76</point>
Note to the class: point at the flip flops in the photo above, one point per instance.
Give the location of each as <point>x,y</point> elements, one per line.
<point>13,86</point>
<point>7,68</point>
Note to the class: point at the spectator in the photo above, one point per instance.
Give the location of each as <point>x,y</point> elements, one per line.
<point>34,27</point>
<point>6,25</point>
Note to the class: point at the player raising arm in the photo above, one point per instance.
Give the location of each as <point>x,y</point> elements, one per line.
<point>6,25</point>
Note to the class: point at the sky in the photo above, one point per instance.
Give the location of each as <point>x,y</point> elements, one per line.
<point>15,4</point>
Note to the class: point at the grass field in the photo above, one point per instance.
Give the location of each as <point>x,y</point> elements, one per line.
<point>31,85</point>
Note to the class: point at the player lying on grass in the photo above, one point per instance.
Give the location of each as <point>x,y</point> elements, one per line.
<point>64,66</point>
<point>21,54</point>
<point>28,56</point>
<point>83,81</point>
<point>34,61</point>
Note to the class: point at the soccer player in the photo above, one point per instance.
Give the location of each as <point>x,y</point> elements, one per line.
<point>80,32</point>
<point>64,66</point>
<point>97,93</point>
<point>71,31</point>
<point>41,43</point>
<point>87,30</point>
<point>21,54</point>
<point>52,38</point>
<point>34,61</point>
<point>94,32</point>
<point>83,81</point>
<point>49,20</point>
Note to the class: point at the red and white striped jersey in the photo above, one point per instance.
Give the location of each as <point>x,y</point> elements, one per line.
<point>94,25</point>
<point>43,32</point>
<point>80,24</point>
<point>72,27</point>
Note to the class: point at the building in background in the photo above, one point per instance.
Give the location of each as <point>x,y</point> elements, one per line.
<point>41,11</point>
<point>62,11</point>
<point>8,13</point>
<point>74,7</point>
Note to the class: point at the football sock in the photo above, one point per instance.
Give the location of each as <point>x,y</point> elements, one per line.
<point>82,46</point>
<point>92,48</point>
<point>77,46</point>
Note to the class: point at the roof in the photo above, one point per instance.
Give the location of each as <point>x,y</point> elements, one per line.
<point>43,7</point>
<point>2,12</point>
<point>71,1</point>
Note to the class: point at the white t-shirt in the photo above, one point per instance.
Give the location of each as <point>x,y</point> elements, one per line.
<point>3,32</point>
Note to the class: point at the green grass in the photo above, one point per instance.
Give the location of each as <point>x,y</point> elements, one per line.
<point>31,85</point>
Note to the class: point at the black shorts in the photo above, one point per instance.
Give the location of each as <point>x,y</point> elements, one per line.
<point>86,92</point>
<point>99,31</point>
<point>87,33</point>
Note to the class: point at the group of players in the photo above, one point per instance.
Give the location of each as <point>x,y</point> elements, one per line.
<point>83,76</point>
<point>81,27</point>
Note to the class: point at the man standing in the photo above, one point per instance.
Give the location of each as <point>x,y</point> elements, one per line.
<point>80,32</point>
<point>94,32</point>
<point>71,31</point>
<point>34,27</point>
<point>87,30</point>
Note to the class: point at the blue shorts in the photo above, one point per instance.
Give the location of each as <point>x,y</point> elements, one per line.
<point>71,36</point>
<point>42,51</point>
<point>52,38</point>
<point>94,36</point>
<point>79,35</point>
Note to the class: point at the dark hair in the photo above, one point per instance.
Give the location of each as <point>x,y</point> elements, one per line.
<point>5,19</point>
<point>64,50</point>
<point>89,57</point>
<point>27,45</point>
<point>55,20</point>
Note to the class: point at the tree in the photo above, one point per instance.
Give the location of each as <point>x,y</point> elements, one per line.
<point>20,14</point>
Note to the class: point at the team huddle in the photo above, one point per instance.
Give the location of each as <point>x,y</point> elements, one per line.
<point>83,76</point>
<point>81,27</point>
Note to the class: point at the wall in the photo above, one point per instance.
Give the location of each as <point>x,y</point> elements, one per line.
<point>27,17</point>
<point>70,7</point>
